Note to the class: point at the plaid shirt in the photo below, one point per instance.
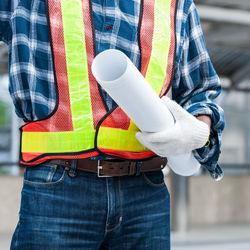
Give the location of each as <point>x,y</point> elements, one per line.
<point>23,26</point>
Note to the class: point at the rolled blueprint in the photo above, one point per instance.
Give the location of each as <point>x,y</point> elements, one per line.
<point>115,72</point>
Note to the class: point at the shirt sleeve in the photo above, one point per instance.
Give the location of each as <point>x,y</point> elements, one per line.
<point>5,14</point>
<point>196,86</point>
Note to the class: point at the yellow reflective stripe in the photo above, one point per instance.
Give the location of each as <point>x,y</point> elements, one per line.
<point>119,139</point>
<point>82,138</point>
<point>77,67</point>
<point>125,140</point>
<point>57,142</point>
<point>157,67</point>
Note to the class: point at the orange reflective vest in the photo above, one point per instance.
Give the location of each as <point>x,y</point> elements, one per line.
<point>80,125</point>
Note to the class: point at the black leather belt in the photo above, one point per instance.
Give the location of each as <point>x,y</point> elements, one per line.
<point>109,168</point>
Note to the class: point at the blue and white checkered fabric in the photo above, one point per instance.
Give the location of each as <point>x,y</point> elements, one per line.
<point>23,26</point>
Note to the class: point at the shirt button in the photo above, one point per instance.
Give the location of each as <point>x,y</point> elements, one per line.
<point>108,27</point>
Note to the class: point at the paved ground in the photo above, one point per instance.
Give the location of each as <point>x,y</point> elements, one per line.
<point>213,238</point>
<point>221,246</point>
<point>219,238</point>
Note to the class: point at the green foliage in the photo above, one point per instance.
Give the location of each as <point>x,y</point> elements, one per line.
<point>3,114</point>
<point>3,171</point>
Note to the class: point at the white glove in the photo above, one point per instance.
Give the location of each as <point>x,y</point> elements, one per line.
<point>187,134</point>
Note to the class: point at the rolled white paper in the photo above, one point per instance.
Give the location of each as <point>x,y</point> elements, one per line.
<point>115,72</point>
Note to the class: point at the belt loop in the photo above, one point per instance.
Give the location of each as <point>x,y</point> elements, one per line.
<point>138,168</point>
<point>73,172</point>
<point>132,168</point>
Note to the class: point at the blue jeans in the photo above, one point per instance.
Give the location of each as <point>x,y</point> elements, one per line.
<point>88,212</point>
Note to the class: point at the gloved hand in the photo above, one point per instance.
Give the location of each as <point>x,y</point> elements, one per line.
<point>187,134</point>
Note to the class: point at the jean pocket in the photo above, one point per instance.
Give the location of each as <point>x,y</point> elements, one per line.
<point>154,178</point>
<point>44,174</point>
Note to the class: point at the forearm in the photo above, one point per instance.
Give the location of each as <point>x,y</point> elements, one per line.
<point>196,86</point>
<point>206,119</point>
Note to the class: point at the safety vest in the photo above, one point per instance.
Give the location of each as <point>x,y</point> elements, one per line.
<point>81,126</point>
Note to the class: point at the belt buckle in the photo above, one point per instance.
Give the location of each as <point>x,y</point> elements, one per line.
<point>99,167</point>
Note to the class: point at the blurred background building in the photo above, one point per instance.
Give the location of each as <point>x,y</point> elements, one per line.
<point>205,214</point>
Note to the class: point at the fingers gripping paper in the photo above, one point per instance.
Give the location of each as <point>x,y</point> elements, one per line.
<point>115,72</point>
